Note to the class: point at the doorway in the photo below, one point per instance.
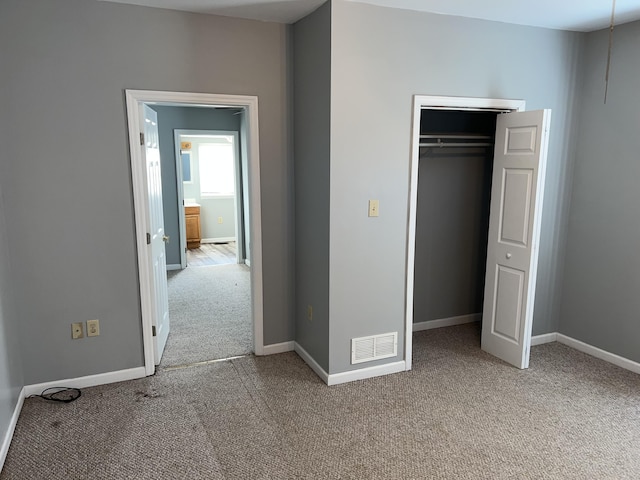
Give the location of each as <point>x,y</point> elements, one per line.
<point>209,302</point>
<point>151,283</point>
<point>210,195</point>
<point>452,218</point>
<point>514,210</point>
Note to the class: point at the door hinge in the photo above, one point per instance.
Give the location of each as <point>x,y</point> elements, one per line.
<point>153,330</point>
<point>141,138</point>
<point>148,239</point>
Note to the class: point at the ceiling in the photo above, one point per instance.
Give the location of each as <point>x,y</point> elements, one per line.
<point>585,15</point>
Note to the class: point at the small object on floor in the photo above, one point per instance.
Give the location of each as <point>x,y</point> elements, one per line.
<point>60,394</point>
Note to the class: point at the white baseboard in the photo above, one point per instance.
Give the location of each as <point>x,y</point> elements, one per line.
<point>599,353</point>
<point>447,322</point>
<point>544,338</point>
<point>218,240</point>
<point>278,348</point>
<point>6,441</point>
<point>588,349</point>
<point>351,376</point>
<point>80,382</point>
<point>364,373</point>
<point>88,381</point>
<point>315,366</point>
<point>174,266</point>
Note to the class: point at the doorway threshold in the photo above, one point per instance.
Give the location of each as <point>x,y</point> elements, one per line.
<point>203,363</point>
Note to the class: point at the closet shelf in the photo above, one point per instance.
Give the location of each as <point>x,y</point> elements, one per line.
<point>446,144</point>
<point>458,140</point>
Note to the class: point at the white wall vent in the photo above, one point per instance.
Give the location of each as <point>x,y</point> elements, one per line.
<point>375,347</point>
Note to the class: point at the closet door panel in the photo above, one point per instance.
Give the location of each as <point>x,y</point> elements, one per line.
<point>515,206</point>
<point>514,231</point>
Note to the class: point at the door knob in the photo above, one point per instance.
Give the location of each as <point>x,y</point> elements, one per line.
<point>165,238</point>
<point>508,256</point>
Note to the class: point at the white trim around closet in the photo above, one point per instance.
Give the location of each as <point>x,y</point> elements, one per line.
<point>432,102</point>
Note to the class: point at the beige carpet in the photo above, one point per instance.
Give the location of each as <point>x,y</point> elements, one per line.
<point>459,414</point>
<point>210,314</point>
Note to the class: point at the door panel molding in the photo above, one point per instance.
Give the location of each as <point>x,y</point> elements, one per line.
<point>509,282</point>
<point>512,205</point>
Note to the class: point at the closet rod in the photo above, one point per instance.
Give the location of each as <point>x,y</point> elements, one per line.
<point>455,136</point>
<point>442,144</point>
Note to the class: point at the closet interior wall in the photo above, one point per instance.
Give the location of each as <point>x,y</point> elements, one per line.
<point>454,187</point>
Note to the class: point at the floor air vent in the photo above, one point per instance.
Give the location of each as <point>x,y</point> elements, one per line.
<point>375,347</point>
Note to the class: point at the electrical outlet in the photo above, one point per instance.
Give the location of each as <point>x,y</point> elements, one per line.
<point>93,328</point>
<point>77,331</point>
<point>374,208</point>
<point>219,219</point>
<point>310,313</point>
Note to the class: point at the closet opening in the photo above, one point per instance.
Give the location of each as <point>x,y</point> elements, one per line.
<point>475,199</point>
<point>456,149</point>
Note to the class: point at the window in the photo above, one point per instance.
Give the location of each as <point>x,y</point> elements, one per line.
<point>217,167</point>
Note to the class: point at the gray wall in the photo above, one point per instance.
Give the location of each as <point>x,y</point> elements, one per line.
<point>11,378</point>
<point>210,210</point>
<point>451,233</point>
<point>381,58</point>
<point>602,274</point>
<point>312,98</point>
<point>185,118</point>
<point>71,217</point>
<point>452,218</point>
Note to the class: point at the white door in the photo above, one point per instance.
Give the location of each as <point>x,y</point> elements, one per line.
<point>514,233</point>
<point>156,238</point>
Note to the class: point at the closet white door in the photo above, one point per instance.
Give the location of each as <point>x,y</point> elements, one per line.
<point>514,233</point>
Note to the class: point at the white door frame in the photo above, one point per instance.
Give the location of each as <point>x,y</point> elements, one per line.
<point>429,102</point>
<point>134,98</point>
<point>182,228</point>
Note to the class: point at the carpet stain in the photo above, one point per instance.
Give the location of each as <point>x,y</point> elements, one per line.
<point>148,395</point>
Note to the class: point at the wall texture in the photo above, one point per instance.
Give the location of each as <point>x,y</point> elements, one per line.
<point>312,98</point>
<point>185,118</point>
<point>382,57</point>
<point>69,186</point>
<point>602,274</point>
